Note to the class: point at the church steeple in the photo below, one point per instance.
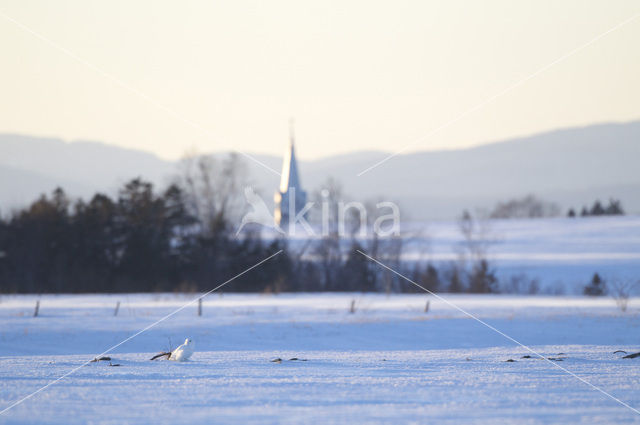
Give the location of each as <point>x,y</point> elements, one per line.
<point>290,198</point>
<point>290,177</point>
<point>291,131</point>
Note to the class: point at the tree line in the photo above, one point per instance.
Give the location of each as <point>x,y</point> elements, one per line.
<point>143,240</point>
<point>597,209</point>
<point>182,238</point>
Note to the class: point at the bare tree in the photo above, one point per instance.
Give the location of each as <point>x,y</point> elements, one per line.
<point>386,248</point>
<point>328,249</point>
<point>528,207</point>
<point>213,188</point>
<point>477,237</point>
<point>621,290</point>
<point>476,241</point>
<point>326,209</point>
<point>521,284</point>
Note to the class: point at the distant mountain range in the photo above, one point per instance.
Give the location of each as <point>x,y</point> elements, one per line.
<point>572,167</point>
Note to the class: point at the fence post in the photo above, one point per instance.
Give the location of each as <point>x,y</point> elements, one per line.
<point>35,313</point>
<point>115,312</point>
<point>199,306</point>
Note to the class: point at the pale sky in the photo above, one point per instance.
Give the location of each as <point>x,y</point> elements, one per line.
<point>356,75</point>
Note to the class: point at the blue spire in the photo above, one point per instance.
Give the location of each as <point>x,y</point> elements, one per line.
<point>289,185</point>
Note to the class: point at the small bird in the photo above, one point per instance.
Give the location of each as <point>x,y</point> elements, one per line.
<point>183,352</point>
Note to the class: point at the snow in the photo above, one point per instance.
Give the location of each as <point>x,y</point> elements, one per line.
<point>389,362</point>
<point>561,253</point>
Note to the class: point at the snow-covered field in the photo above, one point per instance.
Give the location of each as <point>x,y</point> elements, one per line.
<point>389,362</point>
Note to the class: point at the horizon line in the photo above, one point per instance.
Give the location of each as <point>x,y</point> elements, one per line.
<point>323,157</point>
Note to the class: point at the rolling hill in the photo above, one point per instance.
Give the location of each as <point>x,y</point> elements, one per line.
<point>571,166</point>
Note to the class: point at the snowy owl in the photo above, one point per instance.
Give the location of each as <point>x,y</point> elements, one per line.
<point>183,352</point>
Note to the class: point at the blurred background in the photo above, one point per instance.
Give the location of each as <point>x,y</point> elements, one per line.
<point>507,134</point>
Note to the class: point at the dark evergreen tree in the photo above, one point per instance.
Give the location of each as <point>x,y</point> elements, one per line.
<point>429,279</point>
<point>597,209</point>
<point>455,281</point>
<point>482,280</point>
<point>356,274</point>
<point>597,286</point>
